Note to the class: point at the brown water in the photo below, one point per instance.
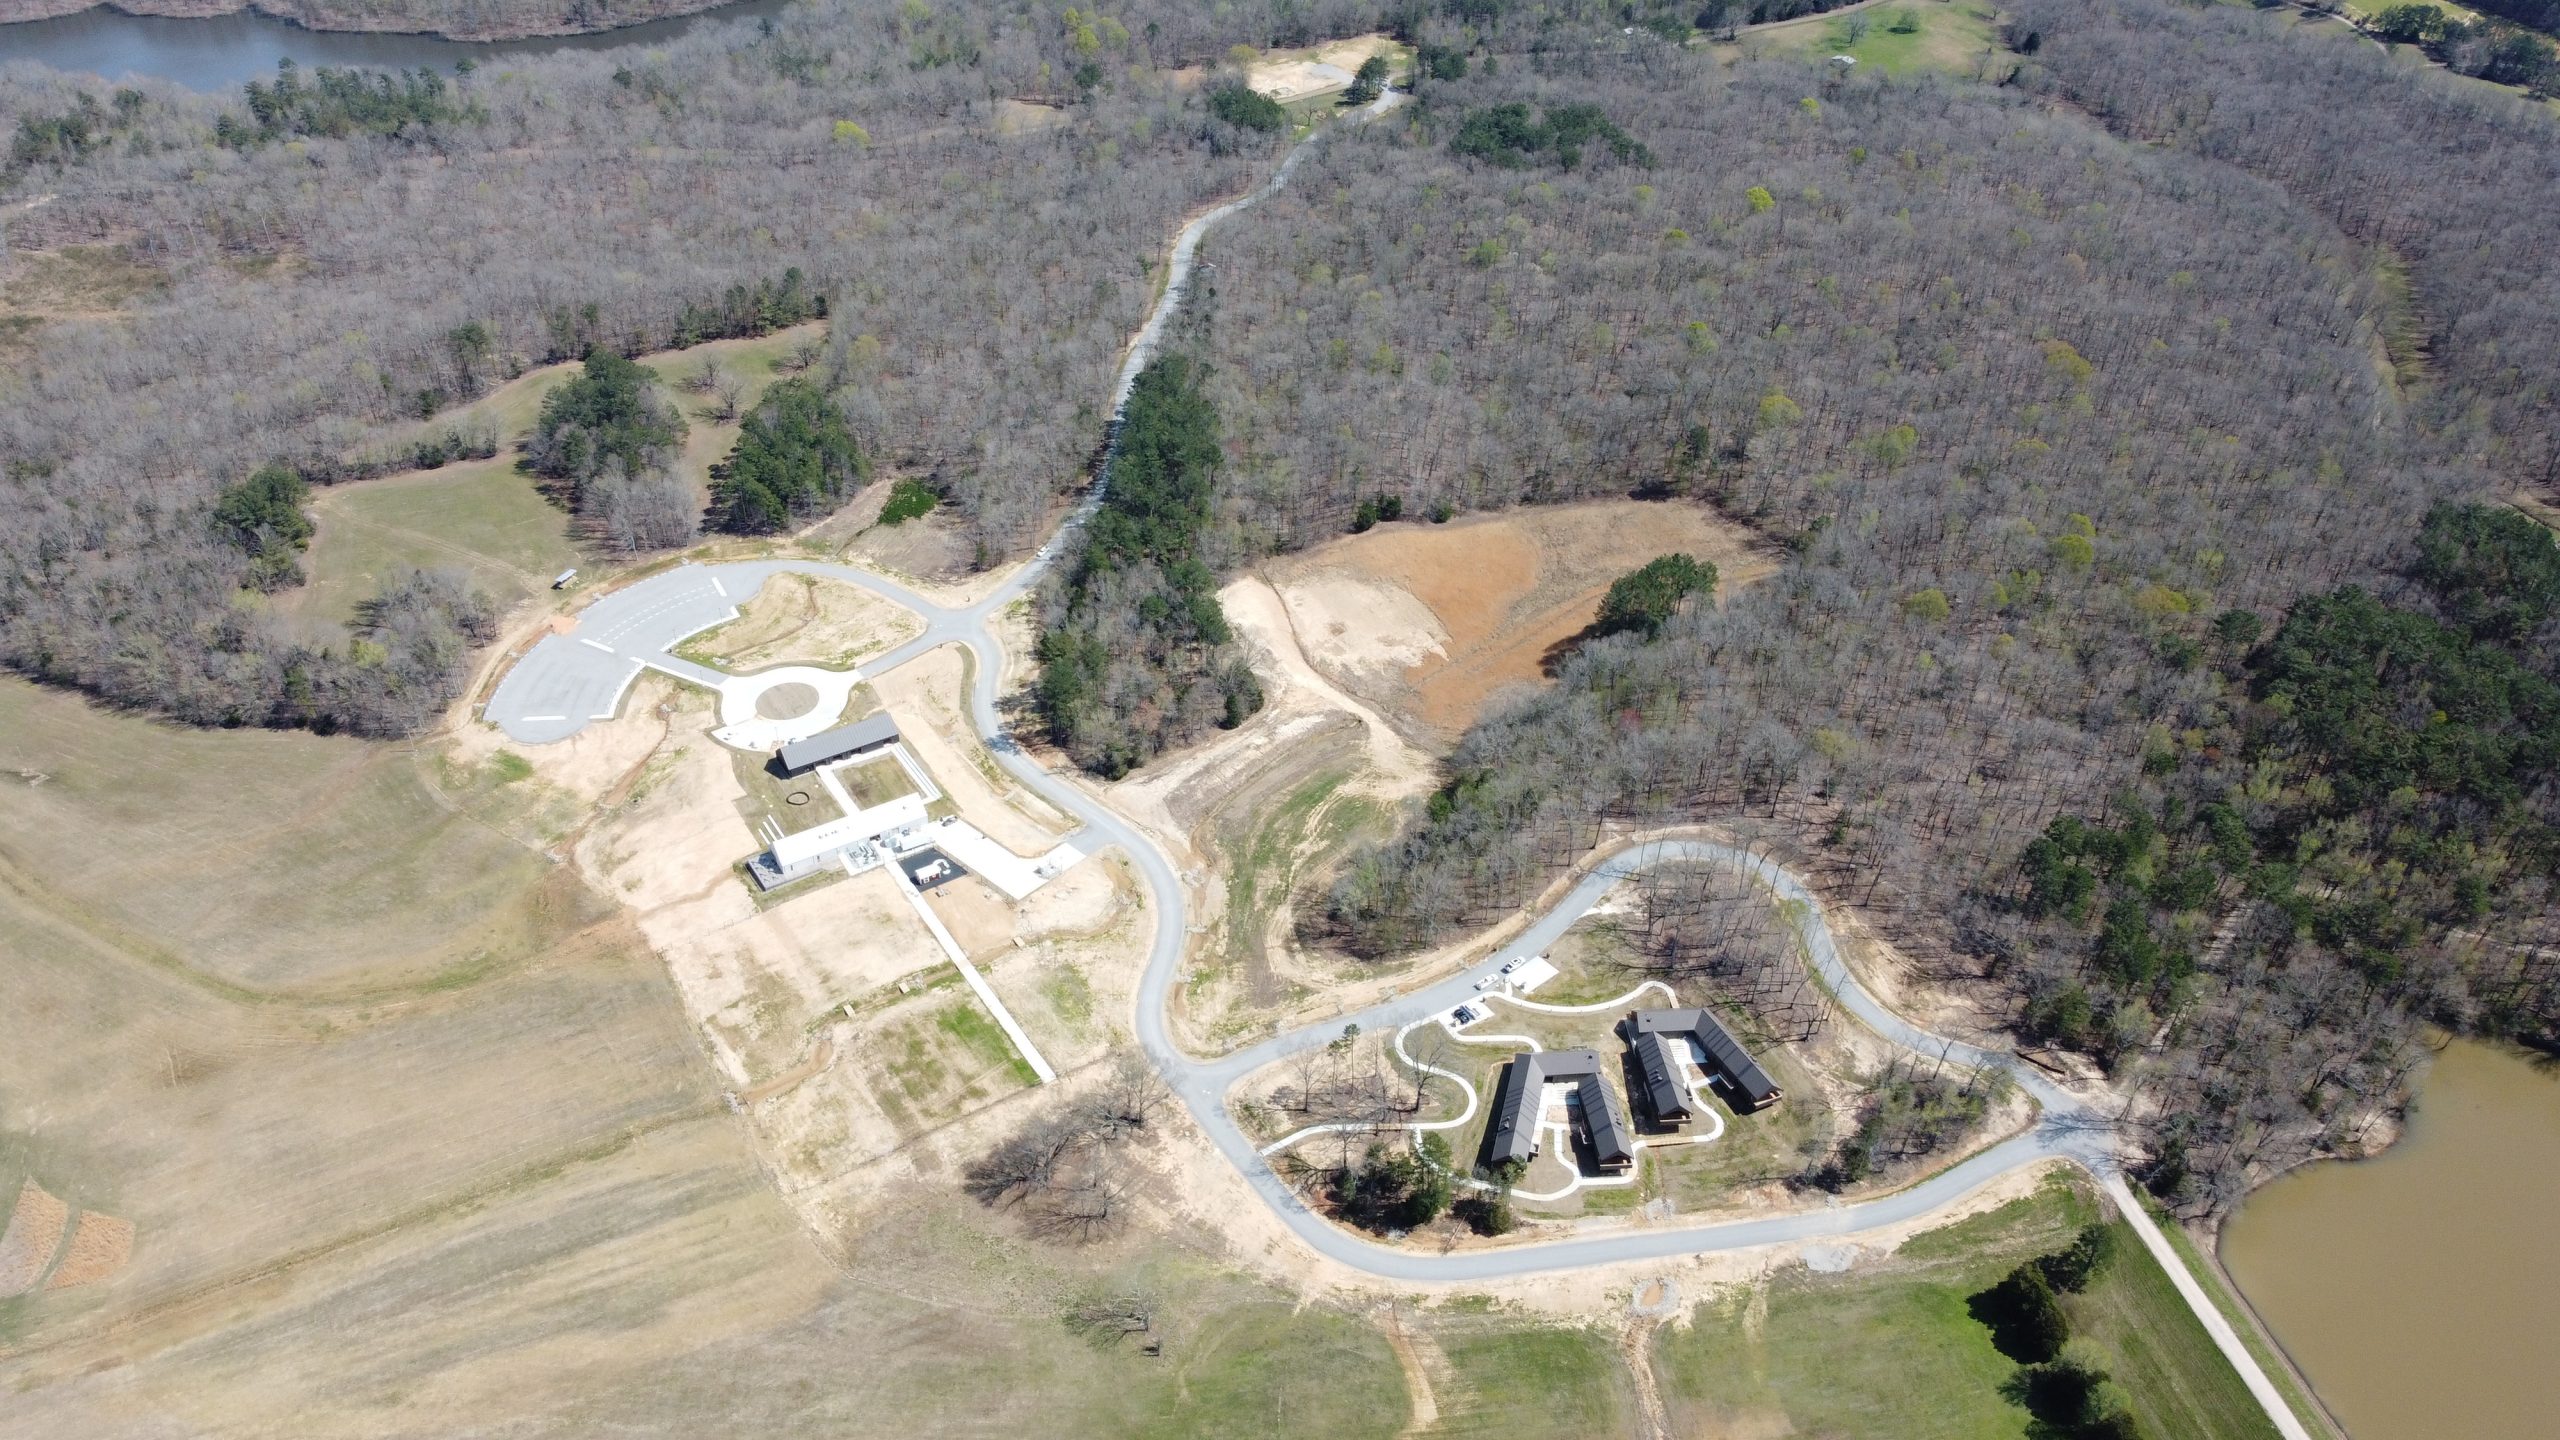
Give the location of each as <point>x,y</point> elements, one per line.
<point>2421,1291</point>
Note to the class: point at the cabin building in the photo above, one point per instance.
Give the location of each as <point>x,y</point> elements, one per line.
<point>1652,1032</point>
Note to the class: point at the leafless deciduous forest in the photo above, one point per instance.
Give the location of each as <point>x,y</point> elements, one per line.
<point>461,19</point>
<point>986,260</point>
<point>2056,425</point>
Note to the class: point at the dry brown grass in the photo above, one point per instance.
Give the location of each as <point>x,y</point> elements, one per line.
<point>802,619</point>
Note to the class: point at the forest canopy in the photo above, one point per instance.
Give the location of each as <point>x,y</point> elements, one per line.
<point>1135,650</point>
<point>795,459</point>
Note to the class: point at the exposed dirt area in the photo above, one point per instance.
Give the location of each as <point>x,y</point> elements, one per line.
<point>1430,623</point>
<point>1290,75</point>
<point>925,695</point>
<point>805,620</point>
<point>931,553</point>
<point>1328,766</point>
<point>99,1247</point>
<point>34,1234</point>
<point>976,913</point>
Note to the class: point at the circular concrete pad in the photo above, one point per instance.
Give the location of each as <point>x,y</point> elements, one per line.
<point>787,701</point>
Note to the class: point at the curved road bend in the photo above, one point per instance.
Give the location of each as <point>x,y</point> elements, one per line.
<point>637,626</point>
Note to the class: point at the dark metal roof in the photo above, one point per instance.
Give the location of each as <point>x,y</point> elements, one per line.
<point>1723,1051</point>
<point>1661,1078</point>
<point>867,733</point>
<point>1515,1108</point>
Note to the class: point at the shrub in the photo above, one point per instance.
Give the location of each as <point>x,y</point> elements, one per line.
<point>1246,108</point>
<point>1644,598</point>
<point>909,500</point>
<point>262,515</point>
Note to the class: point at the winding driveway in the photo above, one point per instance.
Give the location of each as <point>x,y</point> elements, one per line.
<point>570,679</point>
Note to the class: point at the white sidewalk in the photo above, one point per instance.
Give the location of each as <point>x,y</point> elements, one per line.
<point>977,982</point>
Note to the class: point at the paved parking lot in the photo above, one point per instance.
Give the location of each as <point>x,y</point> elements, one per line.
<point>567,681</point>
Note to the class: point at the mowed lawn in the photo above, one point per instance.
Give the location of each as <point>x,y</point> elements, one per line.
<point>2158,1351</point>
<point>1891,1350</point>
<point>1531,1384</point>
<point>480,516</point>
<point>487,517</point>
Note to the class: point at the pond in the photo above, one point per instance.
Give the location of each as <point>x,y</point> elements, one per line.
<point>2420,1291</point>
<point>220,53</point>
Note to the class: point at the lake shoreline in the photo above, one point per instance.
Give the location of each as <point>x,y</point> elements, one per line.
<point>2411,1293</point>
<point>320,16</point>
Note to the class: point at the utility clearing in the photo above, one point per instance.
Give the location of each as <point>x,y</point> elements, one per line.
<point>1430,623</point>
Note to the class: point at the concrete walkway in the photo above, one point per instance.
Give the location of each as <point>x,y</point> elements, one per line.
<point>977,983</point>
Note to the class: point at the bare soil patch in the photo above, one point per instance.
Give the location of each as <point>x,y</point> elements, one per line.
<point>1431,622</point>
<point>1291,75</point>
<point>34,1233</point>
<point>806,620</point>
<point>99,1247</point>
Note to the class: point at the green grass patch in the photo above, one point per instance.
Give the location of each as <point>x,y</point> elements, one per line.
<point>1069,994</point>
<point>2210,1277</point>
<point>1895,1352</point>
<point>1248,1373</point>
<point>1950,36</point>
<point>1276,845</point>
<point>479,516</point>
<point>507,767</point>
<point>1531,1383</point>
<point>979,1035</point>
<point>875,783</point>
<point>909,500</point>
<point>1890,1353</point>
<point>2132,1321</point>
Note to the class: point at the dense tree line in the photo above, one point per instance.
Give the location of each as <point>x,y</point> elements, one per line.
<point>2031,409</point>
<point>1136,653</point>
<point>981,263</point>
<point>338,103</point>
<point>794,459</point>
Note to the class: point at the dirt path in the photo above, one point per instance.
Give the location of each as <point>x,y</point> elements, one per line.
<point>1653,1422</point>
<point>1417,1381</point>
<point>818,1061</point>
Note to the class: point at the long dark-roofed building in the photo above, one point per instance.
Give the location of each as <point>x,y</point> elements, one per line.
<point>1652,1031</point>
<point>1517,1104</point>
<point>866,734</point>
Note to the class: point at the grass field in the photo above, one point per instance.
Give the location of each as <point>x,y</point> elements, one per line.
<point>485,516</point>
<point>1515,1383</point>
<point>480,515</point>
<point>1890,1350</point>
<point>2159,1352</point>
<point>418,1140</point>
<point>261,861</point>
<point>927,1067</point>
<point>1950,36</point>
